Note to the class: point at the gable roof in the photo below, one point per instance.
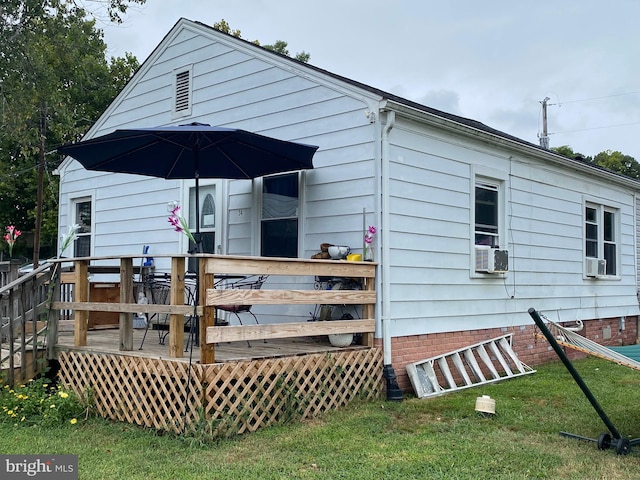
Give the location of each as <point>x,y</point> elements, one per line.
<point>394,102</point>
<point>456,119</point>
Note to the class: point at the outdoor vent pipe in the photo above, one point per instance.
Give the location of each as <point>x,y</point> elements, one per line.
<point>394,392</point>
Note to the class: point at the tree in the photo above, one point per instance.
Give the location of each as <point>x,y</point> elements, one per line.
<point>54,83</point>
<point>611,160</point>
<point>618,162</point>
<point>280,46</point>
<point>567,151</point>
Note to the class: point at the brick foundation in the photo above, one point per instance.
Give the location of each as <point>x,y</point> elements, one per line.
<point>531,350</point>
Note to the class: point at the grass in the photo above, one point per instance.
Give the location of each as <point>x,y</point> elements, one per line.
<point>437,438</point>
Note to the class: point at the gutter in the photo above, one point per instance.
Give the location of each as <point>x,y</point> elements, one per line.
<point>394,392</point>
<point>508,143</point>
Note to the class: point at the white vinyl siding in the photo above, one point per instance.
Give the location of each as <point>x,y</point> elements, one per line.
<point>432,230</point>
<point>430,233</point>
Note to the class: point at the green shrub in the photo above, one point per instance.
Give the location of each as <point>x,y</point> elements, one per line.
<point>39,402</point>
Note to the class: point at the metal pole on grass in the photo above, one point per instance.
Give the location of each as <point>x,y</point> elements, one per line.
<point>574,373</point>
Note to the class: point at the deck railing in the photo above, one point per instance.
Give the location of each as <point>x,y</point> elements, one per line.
<point>211,268</point>
<point>24,332</point>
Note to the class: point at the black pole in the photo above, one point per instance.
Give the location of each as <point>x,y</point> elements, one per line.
<point>196,161</point>
<point>574,373</point>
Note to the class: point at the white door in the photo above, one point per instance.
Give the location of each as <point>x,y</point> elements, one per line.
<point>211,226</point>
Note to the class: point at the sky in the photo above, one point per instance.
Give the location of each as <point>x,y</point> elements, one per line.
<point>492,61</point>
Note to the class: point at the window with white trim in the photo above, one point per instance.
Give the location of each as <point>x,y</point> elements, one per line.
<point>601,235</point>
<point>487,213</point>
<point>280,216</point>
<point>82,217</point>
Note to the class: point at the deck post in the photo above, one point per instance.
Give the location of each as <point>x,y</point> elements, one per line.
<point>207,350</point>
<point>176,322</point>
<point>126,296</point>
<point>53,317</point>
<point>80,294</point>
<point>368,310</point>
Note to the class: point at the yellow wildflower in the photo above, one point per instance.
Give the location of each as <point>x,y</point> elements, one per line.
<point>10,412</point>
<point>63,394</point>
<point>53,406</point>
<point>73,421</point>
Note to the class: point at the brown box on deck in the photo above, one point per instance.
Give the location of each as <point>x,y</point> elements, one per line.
<point>104,292</point>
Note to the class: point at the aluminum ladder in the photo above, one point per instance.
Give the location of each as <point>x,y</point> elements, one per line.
<point>485,362</point>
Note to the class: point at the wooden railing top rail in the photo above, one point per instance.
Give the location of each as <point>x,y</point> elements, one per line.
<point>219,265</point>
<point>225,264</point>
<point>25,278</point>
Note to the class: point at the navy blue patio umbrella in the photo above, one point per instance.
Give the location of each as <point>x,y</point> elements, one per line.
<point>191,151</point>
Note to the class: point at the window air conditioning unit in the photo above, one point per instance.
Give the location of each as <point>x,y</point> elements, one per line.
<point>596,267</point>
<point>491,260</point>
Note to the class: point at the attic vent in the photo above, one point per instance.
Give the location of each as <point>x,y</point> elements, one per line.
<point>182,104</point>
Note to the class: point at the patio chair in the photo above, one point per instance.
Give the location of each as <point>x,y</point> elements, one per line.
<point>253,282</point>
<point>158,291</point>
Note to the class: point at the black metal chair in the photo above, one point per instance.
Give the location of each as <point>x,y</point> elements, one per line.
<point>157,291</point>
<point>253,282</point>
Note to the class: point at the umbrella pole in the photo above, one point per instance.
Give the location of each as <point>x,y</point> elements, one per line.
<point>196,155</point>
<point>197,237</point>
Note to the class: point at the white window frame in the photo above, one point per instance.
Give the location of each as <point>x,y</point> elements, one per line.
<point>82,197</point>
<point>499,180</point>
<point>257,191</point>
<point>601,209</point>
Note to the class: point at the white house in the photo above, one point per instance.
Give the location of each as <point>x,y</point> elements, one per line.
<point>474,225</point>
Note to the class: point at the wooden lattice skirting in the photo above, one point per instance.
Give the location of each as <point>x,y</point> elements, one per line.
<point>223,398</point>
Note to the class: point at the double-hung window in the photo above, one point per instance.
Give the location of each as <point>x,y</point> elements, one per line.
<point>487,213</point>
<point>488,237</point>
<point>280,216</point>
<point>601,235</point>
<point>83,218</point>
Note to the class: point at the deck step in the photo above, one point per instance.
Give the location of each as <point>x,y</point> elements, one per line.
<point>485,362</point>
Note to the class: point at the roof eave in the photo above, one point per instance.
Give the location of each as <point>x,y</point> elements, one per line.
<point>521,146</point>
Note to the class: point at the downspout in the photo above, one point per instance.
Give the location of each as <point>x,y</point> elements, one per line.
<point>394,392</point>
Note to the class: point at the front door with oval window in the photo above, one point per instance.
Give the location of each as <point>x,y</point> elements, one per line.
<point>209,215</point>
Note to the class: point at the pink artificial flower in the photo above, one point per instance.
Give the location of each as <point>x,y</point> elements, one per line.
<point>179,223</point>
<point>368,240</point>
<point>368,235</point>
<point>11,236</point>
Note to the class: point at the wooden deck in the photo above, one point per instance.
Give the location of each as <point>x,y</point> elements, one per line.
<point>235,379</point>
<point>210,295</point>
<point>107,341</point>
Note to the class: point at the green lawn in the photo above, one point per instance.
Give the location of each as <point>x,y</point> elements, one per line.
<point>438,438</point>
